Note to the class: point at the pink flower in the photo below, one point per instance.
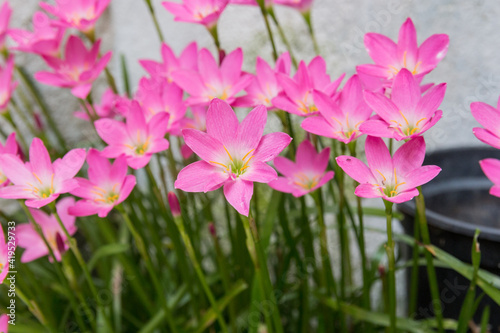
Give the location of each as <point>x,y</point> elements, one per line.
<point>137,139</point>
<point>7,87</point>
<point>79,14</point>
<point>4,258</point>
<point>158,96</point>
<point>233,154</point>
<point>188,59</point>
<point>340,118</point>
<point>303,6</point>
<point>212,81</point>
<point>298,92</point>
<point>44,40</point>
<point>5,13</point>
<point>79,69</point>
<point>406,114</point>
<point>108,185</point>
<point>198,121</point>
<point>306,175</point>
<point>395,178</point>
<point>204,12</point>
<point>265,86</point>
<point>390,57</point>
<point>34,245</point>
<point>4,323</point>
<point>489,117</point>
<point>491,168</point>
<point>40,181</point>
<point>11,147</point>
<point>111,106</point>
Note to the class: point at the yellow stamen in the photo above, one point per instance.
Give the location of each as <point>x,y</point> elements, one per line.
<point>418,122</point>
<point>37,178</point>
<point>247,154</point>
<point>381,174</point>
<point>230,157</point>
<point>222,165</point>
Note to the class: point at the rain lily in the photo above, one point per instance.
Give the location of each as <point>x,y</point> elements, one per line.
<point>40,181</point>
<point>233,154</point>
<point>6,85</point>
<point>340,119</point>
<point>489,117</point>
<point>79,14</point>
<point>157,95</point>
<point>305,175</point>
<point>210,81</point>
<point>108,185</point>
<point>111,106</point>
<point>298,92</point>
<point>4,258</point>
<point>390,57</point>
<point>44,40</point>
<point>394,178</point>
<point>137,139</point>
<point>79,69</point>
<point>4,323</point>
<point>491,168</point>
<point>205,12</point>
<point>188,59</point>
<point>5,13</point>
<point>34,245</point>
<point>407,113</point>
<point>11,147</point>
<point>301,5</point>
<point>264,86</point>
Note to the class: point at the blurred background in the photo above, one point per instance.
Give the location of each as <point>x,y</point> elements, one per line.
<point>471,67</point>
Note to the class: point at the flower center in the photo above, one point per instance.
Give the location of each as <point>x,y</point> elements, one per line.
<point>348,130</point>
<point>393,71</point>
<point>106,197</point>
<point>42,193</point>
<point>407,128</point>
<point>305,182</point>
<point>236,167</point>
<point>387,188</point>
<point>217,93</point>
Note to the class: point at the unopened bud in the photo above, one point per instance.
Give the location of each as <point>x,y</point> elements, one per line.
<point>211,228</point>
<point>60,243</point>
<point>38,121</point>
<point>381,270</point>
<point>173,202</point>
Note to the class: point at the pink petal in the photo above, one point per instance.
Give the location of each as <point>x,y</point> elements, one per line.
<point>319,126</point>
<point>99,167</point>
<point>207,66</point>
<point>285,166</point>
<point>196,176</point>
<point>222,123</point>
<point>410,155</point>
<point>136,121</point>
<point>421,176</point>
<point>403,196</point>
<point>205,146</point>
<point>282,184</point>
<point>158,125</point>
<point>486,115</point>
<point>431,100</point>
<point>39,203</point>
<point>352,94</point>
<point>111,131</point>
<point>138,162</point>
<point>355,169</point>
<point>378,128</point>
<point>127,187</point>
<point>230,68</point>
<point>405,91</point>
<point>407,42</point>
<point>239,193</point>
<point>382,106</point>
<point>367,191</point>
<point>271,145</point>
<point>39,159</point>
<point>14,169</point>
<point>15,192</point>
<point>259,172</point>
<point>485,136</point>
<point>70,164</point>
<point>82,90</point>
<point>432,51</point>
<point>250,130</point>
<point>491,168</point>
<point>378,156</point>
<point>62,209</point>
<point>306,156</point>
<point>381,49</point>
<point>84,208</point>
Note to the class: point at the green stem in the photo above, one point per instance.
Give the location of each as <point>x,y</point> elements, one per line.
<point>260,264</point>
<point>192,255</point>
<point>58,269</point>
<point>431,271</point>
<point>271,13</point>
<point>139,242</point>
<point>155,20</point>
<point>79,258</point>
<point>307,18</point>
<point>263,10</point>
<point>391,274</point>
<point>214,32</point>
<point>34,309</point>
<point>43,106</point>
<point>19,134</point>
<point>412,307</point>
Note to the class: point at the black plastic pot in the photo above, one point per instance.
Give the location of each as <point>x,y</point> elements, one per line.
<point>458,203</point>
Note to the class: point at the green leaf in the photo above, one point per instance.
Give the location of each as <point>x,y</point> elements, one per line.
<point>106,250</point>
<point>267,224</point>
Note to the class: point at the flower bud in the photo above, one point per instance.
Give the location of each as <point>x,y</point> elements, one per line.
<point>173,202</point>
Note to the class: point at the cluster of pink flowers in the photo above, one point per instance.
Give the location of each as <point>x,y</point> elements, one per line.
<point>233,154</point>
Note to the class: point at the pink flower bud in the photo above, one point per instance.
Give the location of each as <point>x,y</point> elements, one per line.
<point>173,202</point>
<point>211,229</point>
